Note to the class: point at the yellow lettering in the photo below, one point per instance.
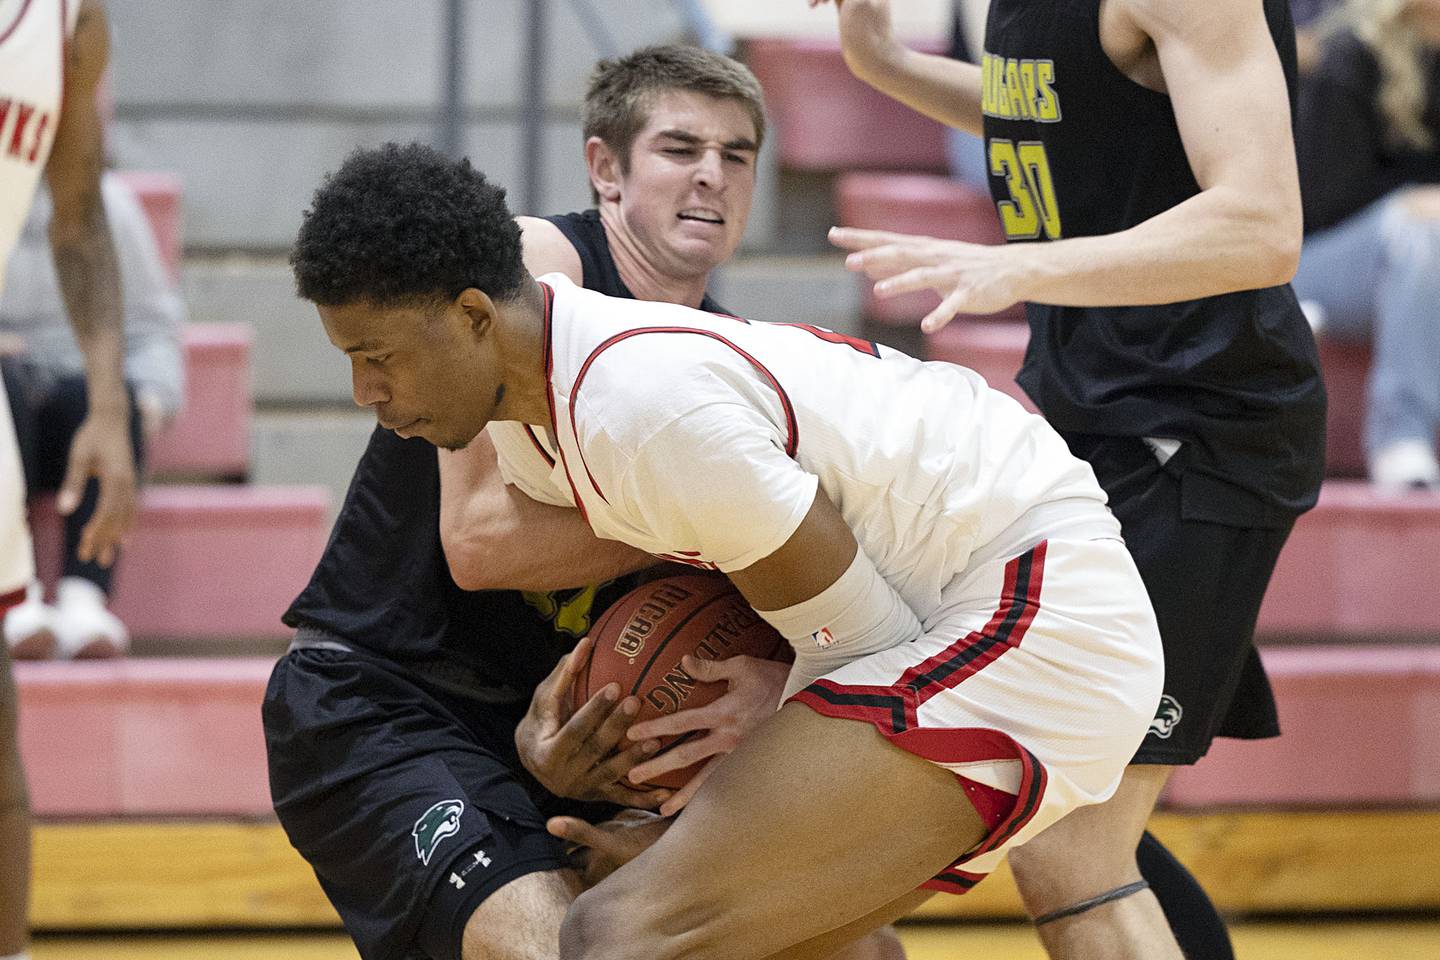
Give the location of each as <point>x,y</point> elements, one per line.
<point>1049,105</point>
<point>1019,107</point>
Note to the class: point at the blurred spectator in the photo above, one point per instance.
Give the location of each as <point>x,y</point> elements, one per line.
<point>45,380</point>
<point>964,151</point>
<point>1368,141</point>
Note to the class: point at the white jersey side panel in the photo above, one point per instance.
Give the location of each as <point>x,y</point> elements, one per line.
<point>669,420</point>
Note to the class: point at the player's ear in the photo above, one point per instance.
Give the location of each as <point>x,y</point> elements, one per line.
<point>478,310</point>
<point>604,167</point>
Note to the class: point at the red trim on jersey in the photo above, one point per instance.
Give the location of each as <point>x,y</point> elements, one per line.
<point>21,16</point>
<point>953,880</point>
<point>539,447</point>
<point>892,708</point>
<point>549,359</point>
<point>792,427</point>
<point>10,600</point>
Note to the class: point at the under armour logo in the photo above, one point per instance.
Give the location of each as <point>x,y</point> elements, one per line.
<point>458,879</point>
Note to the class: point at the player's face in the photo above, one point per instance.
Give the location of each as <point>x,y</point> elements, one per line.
<point>426,371</point>
<point>686,195</point>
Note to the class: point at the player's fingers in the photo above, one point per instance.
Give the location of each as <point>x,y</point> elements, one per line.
<point>615,768</point>
<point>572,737</point>
<point>854,238</point>
<point>576,832</point>
<point>938,278</point>
<point>952,304</point>
<point>671,724</point>
<point>611,732</point>
<point>112,518</point>
<point>72,488</point>
<point>681,756</point>
<point>682,796</point>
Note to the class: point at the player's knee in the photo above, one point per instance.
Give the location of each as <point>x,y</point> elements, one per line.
<point>602,927</point>
<point>1055,874</point>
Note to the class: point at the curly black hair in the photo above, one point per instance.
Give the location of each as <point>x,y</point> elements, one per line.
<point>403,224</point>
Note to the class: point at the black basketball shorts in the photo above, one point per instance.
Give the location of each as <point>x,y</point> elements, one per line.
<point>1206,572</point>
<point>406,797</point>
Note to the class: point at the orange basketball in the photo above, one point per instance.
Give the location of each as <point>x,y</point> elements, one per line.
<point>640,640</point>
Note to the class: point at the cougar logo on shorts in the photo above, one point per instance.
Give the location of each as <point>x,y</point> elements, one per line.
<point>1167,718</point>
<point>434,825</point>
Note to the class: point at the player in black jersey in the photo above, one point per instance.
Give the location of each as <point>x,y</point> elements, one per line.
<point>1141,160</point>
<point>392,723</point>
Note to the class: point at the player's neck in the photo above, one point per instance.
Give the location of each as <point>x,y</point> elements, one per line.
<point>522,357</point>
<point>639,273</point>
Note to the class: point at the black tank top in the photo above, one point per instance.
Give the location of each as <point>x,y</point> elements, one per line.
<point>1076,149</point>
<point>383,584</point>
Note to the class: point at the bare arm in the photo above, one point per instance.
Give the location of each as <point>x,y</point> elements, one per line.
<point>1240,232</point>
<point>495,537</point>
<point>939,87</point>
<point>89,279</point>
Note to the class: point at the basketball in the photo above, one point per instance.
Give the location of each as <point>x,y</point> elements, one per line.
<point>640,640</point>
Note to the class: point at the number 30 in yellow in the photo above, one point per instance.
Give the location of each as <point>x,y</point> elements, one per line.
<point>1032,204</point>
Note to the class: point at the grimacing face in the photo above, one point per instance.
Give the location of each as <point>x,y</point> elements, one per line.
<point>426,370</point>
<point>690,181</point>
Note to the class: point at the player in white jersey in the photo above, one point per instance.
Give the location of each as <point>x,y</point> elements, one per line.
<point>52,55</point>
<point>947,573</point>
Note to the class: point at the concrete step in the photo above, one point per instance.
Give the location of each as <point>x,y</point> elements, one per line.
<point>211,436</point>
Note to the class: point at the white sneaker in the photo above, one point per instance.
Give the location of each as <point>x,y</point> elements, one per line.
<point>84,629</point>
<point>1405,465</point>
<point>30,626</point>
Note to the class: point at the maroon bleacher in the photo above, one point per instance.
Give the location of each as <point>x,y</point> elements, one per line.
<point>1361,564</point>
<point>211,435</point>
<point>995,351</point>
<point>175,737</point>
<point>160,195</point>
<point>1361,726</point>
<point>825,120</point>
<point>212,562</point>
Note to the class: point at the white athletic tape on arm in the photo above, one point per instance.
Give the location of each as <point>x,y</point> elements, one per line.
<point>856,615</point>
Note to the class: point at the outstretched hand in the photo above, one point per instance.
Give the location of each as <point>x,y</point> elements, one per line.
<point>970,277</point>
<point>753,693</point>
<point>584,754</point>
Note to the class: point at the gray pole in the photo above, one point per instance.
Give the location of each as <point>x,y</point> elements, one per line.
<point>452,110</point>
<point>532,111</point>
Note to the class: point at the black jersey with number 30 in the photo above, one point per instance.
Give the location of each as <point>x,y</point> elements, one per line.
<point>1075,148</point>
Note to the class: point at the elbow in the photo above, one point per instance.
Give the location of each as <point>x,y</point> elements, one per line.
<point>1273,255</point>
<point>1278,263</point>
<point>466,562</point>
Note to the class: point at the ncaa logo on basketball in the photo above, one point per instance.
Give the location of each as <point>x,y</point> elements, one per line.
<point>440,821</point>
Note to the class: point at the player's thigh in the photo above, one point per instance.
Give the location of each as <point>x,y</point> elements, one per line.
<point>521,919</point>
<point>869,938</point>
<point>1092,849</point>
<point>410,818</point>
<point>811,824</point>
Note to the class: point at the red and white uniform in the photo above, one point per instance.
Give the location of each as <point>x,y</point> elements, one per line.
<point>702,438</point>
<point>33,34</point>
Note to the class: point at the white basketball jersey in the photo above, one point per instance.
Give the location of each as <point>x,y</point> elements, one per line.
<point>32,59</point>
<point>33,35</point>
<point>701,438</point>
